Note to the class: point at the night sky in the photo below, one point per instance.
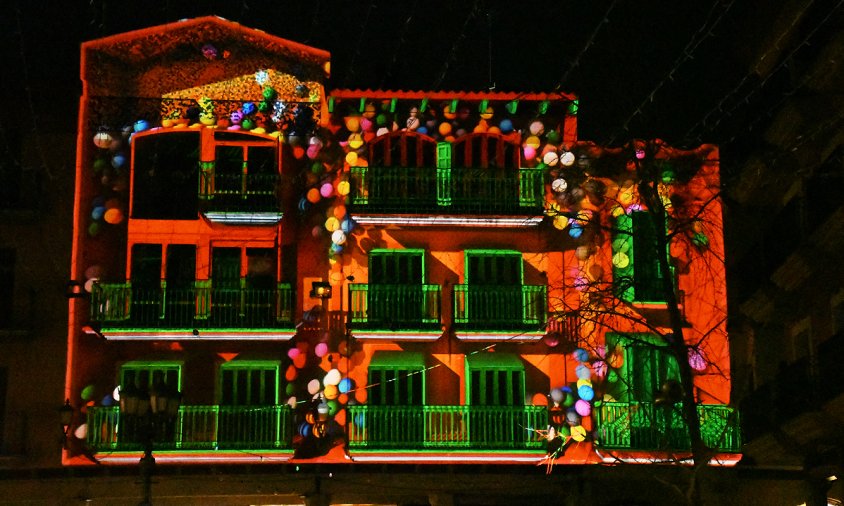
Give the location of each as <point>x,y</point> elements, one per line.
<point>641,69</point>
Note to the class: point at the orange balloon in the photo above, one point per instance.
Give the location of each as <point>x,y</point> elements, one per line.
<point>445,129</point>
<point>313,196</point>
<point>343,398</point>
<point>330,392</point>
<point>291,373</point>
<point>340,211</point>
<point>300,361</point>
<point>539,399</point>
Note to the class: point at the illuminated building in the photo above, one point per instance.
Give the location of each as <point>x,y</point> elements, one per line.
<point>384,276</point>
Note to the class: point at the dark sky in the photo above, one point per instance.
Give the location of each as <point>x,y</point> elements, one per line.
<point>656,67</point>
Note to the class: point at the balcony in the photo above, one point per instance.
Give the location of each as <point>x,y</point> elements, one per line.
<point>487,307</point>
<point>196,428</point>
<point>446,427</point>
<point>240,198</point>
<point>395,307</point>
<point>443,191</point>
<point>642,426</point>
<point>123,306</point>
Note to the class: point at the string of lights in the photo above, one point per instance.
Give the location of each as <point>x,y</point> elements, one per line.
<point>589,42</point>
<point>400,45</point>
<point>452,55</point>
<point>784,63</point>
<point>719,107</point>
<point>351,72</point>
<point>703,33</point>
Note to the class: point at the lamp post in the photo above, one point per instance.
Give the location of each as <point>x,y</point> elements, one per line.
<point>149,414</point>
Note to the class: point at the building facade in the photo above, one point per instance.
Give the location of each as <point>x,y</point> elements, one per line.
<point>311,274</point>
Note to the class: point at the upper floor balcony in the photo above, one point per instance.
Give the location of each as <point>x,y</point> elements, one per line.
<point>126,311</point>
<point>457,191</point>
<point>417,309</point>
<point>478,180</point>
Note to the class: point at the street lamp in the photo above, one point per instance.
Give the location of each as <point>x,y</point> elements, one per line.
<point>149,414</point>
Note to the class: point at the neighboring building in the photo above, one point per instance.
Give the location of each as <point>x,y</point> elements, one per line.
<point>787,323</point>
<point>34,251</point>
<point>420,277</point>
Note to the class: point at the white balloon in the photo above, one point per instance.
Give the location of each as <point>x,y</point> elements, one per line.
<point>313,386</point>
<point>81,432</point>
<point>332,378</point>
<point>567,159</point>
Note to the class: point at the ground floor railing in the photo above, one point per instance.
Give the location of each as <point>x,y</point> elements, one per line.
<point>195,428</point>
<point>644,426</point>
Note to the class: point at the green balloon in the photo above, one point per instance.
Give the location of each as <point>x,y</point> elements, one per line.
<point>87,393</point>
<point>333,407</point>
<point>568,401</point>
<point>94,229</point>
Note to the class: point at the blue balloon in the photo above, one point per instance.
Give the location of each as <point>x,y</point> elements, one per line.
<point>581,355</point>
<point>586,393</point>
<point>347,225</point>
<point>345,385</point>
<point>98,212</point>
<point>506,126</point>
<point>336,248</point>
<point>422,130</point>
<point>575,232</point>
<point>360,420</point>
<point>141,125</point>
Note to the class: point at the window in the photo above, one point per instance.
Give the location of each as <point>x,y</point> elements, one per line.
<point>636,269</point>
<point>493,295</point>
<point>165,173</point>
<point>397,378</point>
<point>7,286</point>
<point>143,375</point>
<point>249,383</point>
<point>396,293</point>
<point>396,267</point>
<point>495,379</point>
<point>647,365</point>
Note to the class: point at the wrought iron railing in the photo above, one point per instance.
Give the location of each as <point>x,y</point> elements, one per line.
<point>195,428</point>
<point>395,306</point>
<point>446,427</point>
<point>123,305</point>
<point>239,192</point>
<point>448,190</point>
<point>643,426</point>
<point>500,307</point>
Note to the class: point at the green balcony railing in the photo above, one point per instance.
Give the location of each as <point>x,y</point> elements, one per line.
<point>395,306</point>
<point>121,305</point>
<point>499,307</point>
<point>446,427</point>
<point>643,426</point>
<point>448,190</point>
<point>239,192</point>
<point>195,428</point>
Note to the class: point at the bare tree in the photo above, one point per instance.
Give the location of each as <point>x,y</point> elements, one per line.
<point>648,240</point>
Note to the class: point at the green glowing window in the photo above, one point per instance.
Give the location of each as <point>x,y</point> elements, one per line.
<point>143,375</point>
<point>397,378</point>
<point>249,383</point>
<point>647,365</point>
<point>494,267</point>
<point>495,379</point>
<point>636,269</point>
<point>396,267</point>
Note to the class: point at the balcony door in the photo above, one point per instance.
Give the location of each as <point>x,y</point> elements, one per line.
<point>225,286</point>
<point>180,299</point>
<point>494,280</point>
<point>396,298</point>
<point>249,415</point>
<point>495,390</point>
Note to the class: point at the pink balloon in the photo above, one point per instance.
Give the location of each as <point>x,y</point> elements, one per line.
<point>600,368</point>
<point>326,190</point>
<point>321,349</point>
<point>313,151</point>
<point>583,408</point>
<point>293,353</point>
<point>530,152</point>
<point>366,124</point>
